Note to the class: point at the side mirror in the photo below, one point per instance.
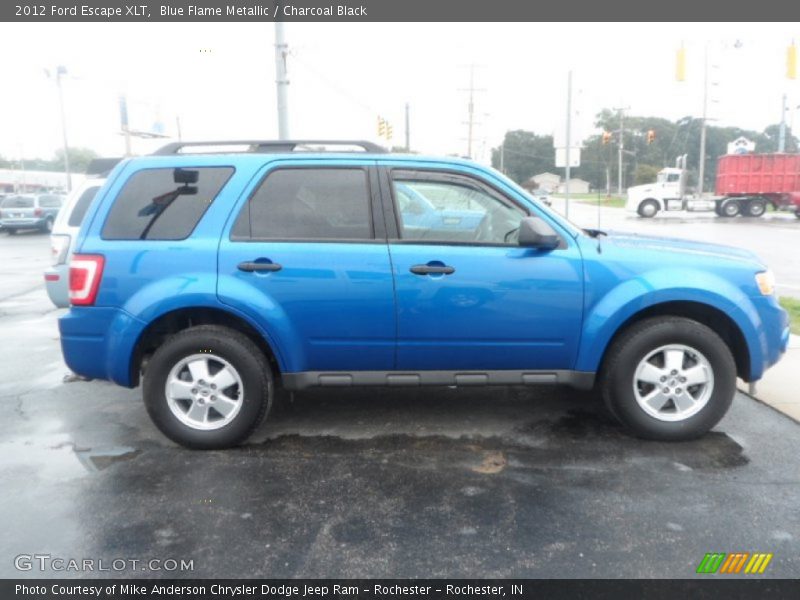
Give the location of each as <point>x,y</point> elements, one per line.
<point>534,232</point>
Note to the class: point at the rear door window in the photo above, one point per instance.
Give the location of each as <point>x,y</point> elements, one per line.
<point>164,204</point>
<point>50,201</point>
<point>309,204</point>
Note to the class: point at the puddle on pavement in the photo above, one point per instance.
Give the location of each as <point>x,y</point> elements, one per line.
<point>97,459</point>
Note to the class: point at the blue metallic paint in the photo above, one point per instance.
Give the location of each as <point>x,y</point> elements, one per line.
<point>504,308</point>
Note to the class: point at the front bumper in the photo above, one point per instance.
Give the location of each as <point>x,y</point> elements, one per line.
<point>773,334</point>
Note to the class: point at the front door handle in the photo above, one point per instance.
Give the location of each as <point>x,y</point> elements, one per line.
<point>249,266</point>
<point>432,270</point>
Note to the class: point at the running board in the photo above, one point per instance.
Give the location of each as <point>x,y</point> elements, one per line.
<point>583,380</point>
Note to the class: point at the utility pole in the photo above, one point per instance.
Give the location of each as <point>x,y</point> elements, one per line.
<point>60,71</point>
<point>701,168</point>
<point>281,81</point>
<point>470,123</point>
<point>621,149</point>
<point>123,121</point>
<point>408,130</point>
<point>782,135</point>
<point>569,143</point>
<point>503,155</point>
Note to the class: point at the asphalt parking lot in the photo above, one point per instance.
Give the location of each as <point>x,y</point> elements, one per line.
<point>503,482</point>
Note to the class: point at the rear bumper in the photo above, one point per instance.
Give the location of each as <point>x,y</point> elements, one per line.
<point>56,281</point>
<point>32,223</point>
<point>97,342</point>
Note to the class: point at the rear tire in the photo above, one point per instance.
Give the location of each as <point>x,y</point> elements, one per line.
<point>756,207</point>
<point>730,208</point>
<point>680,351</point>
<point>648,209</point>
<point>208,387</point>
<point>11,231</point>
<point>47,226</point>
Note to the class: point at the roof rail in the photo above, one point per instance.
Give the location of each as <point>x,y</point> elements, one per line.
<point>270,146</point>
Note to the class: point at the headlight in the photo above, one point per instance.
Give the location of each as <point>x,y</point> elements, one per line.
<point>766,282</point>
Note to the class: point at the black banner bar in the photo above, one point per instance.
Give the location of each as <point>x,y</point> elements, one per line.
<point>395,11</point>
<point>711,588</point>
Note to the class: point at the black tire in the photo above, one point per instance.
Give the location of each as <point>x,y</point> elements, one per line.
<point>634,344</point>
<point>730,208</point>
<point>648,209</point>
<point>11,231</point>
<point>755,207</point>
<point>797,213</point>
<point>242,354</point>
<point>47,226</point>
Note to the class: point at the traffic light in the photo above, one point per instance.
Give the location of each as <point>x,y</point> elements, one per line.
<point>606,137</point>
<point>791,62</point>
<point>381,126</point>
<point>680,64</point>
<point>389,131</point>
<point>651,136</point>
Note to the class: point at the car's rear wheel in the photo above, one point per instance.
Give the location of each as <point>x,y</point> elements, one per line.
<point>669,378</point>
<point>208,387</point>
<point>648,209</point>
<point>11,231</point>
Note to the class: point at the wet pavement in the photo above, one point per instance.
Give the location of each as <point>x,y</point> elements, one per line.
<point>508,482</point>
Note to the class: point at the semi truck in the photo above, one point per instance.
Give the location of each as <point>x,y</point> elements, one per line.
<point>746,185</point>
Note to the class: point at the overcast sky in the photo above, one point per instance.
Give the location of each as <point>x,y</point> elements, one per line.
<point>219,79</point>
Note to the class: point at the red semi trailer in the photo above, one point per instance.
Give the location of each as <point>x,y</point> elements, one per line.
<point>747,183</point>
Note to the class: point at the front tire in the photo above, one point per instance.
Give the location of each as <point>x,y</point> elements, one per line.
<point>648,209</point>
<point>669,378</point>
<point>208,387</point>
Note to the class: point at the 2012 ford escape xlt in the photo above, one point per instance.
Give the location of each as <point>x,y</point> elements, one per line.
<point>214,276</point>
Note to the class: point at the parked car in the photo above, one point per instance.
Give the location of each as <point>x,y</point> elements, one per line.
<point>64,232</point>
<point>29,211</point>
<point>214,277</point>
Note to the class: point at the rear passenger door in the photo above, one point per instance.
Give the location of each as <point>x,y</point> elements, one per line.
<point>305,254</point>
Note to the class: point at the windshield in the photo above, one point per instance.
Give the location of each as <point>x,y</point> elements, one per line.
<point>18,202</point>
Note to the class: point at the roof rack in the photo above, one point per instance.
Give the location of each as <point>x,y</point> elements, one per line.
<point>270,146</point>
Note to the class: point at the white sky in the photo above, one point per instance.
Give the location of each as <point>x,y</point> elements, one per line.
<point>220,79</point>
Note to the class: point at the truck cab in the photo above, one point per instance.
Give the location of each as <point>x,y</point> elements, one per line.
<point>667,193</point>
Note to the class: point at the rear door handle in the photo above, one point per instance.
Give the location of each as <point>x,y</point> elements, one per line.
<point>432,270</point>
<point>249,266</point>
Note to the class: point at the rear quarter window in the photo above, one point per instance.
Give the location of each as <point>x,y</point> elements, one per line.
<point>81,206</point>
<point>50,201</point>
<point>154,205</point>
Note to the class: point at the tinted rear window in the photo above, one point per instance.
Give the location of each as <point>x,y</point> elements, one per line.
<point>18,202</point>
<point>311,204</point>
<point>50,201</point>
<point>81,206</point>
<point>152,206</point>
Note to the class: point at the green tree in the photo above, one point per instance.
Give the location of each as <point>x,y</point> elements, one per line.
<point>525,154</point>
<point>645,174</point>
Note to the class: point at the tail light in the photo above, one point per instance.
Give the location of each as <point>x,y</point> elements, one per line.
<point>85,272</point>
<point>59,248</point>
<point>38,212</point>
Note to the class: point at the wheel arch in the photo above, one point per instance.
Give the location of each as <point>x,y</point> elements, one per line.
<point>180,319</point>
<point>714,318</point>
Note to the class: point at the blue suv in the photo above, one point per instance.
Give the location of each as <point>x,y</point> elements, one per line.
<point>213,277</point>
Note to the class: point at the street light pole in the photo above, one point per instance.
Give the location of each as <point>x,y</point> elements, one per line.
<point>782,134</point>
<point>60,71</point>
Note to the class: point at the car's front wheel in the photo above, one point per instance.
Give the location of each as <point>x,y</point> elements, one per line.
<point>669,378</point>
<point>648,209</point>
<point>208,387</point>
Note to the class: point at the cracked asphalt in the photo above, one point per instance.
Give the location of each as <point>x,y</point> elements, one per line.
<point>505,482</point>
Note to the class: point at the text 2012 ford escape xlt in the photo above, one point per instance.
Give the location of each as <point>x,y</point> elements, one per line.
<point>213,277</point>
